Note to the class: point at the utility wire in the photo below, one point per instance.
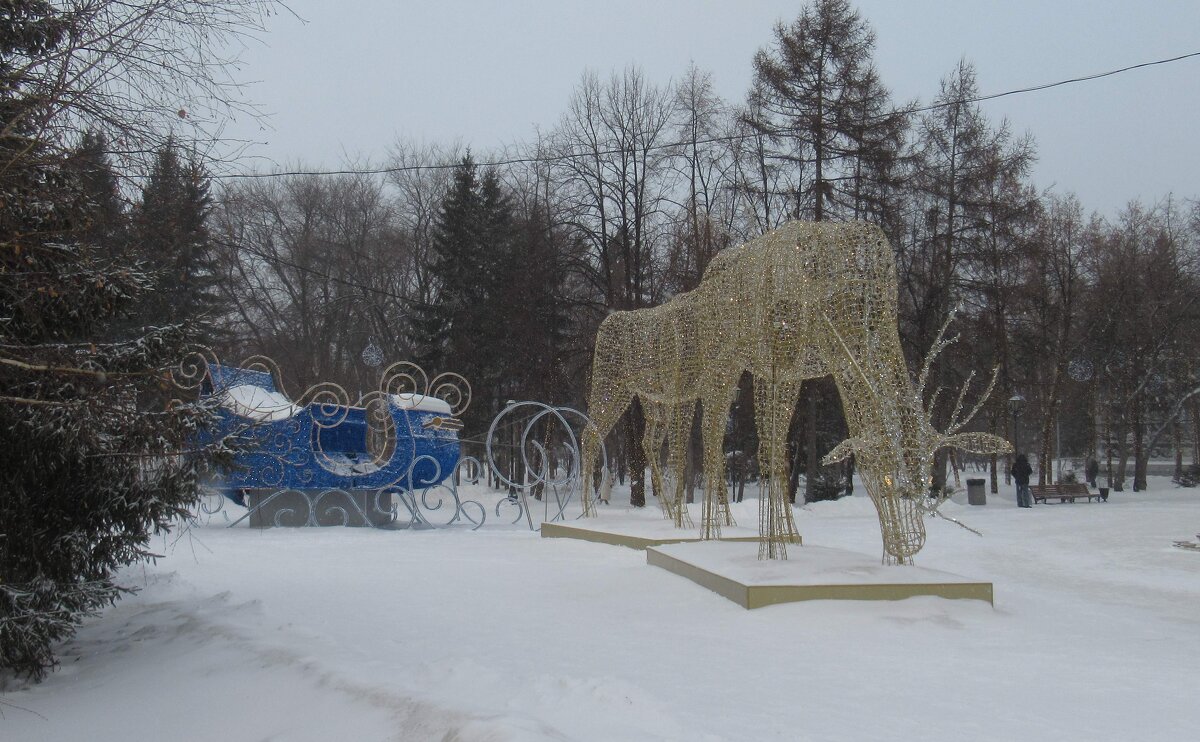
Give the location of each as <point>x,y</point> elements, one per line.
<point>278,259</point>
<point>709,140</point>
<point>1073,80</point>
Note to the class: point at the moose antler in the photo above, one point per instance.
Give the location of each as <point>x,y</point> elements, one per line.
<point>956,424</point>
<point>939,344</point>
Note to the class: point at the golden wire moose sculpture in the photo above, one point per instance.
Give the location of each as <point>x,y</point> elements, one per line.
<point>803,301</point>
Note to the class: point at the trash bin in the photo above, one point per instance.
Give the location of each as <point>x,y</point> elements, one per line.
<point>976,495</point>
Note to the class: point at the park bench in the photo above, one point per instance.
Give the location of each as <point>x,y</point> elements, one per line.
<point>1067,492</point>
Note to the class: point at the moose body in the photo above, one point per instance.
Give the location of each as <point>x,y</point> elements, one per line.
<point>804,301</point>
<point>661,356</point>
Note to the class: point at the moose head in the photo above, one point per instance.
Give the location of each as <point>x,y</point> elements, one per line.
<point>894,441</point>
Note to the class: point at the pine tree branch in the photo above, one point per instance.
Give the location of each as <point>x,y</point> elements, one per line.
<point>43,402</point>
<point>100,376</point>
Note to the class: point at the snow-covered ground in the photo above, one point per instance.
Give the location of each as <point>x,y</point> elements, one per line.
<point>356,634</point>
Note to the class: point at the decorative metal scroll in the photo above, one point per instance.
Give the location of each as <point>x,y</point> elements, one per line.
<point>803,301</point>
<point>544,448</point>
<point>392,460</point>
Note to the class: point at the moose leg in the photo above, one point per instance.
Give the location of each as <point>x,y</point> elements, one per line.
<point>604,409</point>
<point>652,440</point>
<point>716,500</point>
<point>590,445</point>
<point>677,445</point>
<point>774,401</point>
<point>790,392</point>
<point>721,474</point>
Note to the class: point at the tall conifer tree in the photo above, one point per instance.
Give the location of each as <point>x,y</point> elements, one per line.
<point>103,220</point>
<point>819,101</point>
<point>170,226</point>
<point>90,464</point>
<point>494,317</point>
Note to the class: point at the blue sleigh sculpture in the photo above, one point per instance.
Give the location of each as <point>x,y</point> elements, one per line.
<point>317,460</point>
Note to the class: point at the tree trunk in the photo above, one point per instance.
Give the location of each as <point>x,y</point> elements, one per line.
<point>621,448</point>
<point>1140,454</point>
<point>1196,432</point>
<point>540,488</point>
<point>939,470</point>
<point>1046,460</point>
<point>1122,456</point>
<point>519,474</point>
<point>1108,452</point>
<point>1177,443</point>
<point>1093,419</point>
<point>993,460</point>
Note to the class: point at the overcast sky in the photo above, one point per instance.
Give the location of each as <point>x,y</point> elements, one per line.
<point>352,77</point>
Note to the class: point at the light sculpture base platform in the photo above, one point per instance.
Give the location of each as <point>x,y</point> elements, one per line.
<point>809,573</point>
<point>637,533</point>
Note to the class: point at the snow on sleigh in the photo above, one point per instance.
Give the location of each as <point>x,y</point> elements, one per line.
<point>317,460</point>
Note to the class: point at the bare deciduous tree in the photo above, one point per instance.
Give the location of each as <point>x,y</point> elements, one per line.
<point>315,268</point>
<point>616,176</point>
<point>136,71</point>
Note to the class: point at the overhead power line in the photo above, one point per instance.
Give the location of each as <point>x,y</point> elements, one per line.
<point>709,140</point>
<point>1073,80</point>
<point>281,260</point>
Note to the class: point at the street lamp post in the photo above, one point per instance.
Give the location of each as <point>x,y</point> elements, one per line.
<point>1015,403</point>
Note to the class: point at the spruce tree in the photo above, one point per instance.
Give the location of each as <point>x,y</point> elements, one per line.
<point>171,232</point>
<point>450,332</point>
<point>535,323</point>
<point>437,325</point>
<point>500,271</point>
<point>102,217</point>
<point>90,456</point>
<point>496,318</point>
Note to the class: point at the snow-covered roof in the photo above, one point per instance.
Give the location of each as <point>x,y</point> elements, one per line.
<point>256,403</point>
<point>421,403</point>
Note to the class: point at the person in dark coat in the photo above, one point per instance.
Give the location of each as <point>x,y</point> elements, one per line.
<point>1092,470</point>
<point>1020,472</point>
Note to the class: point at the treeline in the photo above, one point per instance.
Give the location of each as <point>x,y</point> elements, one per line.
<point>502,272</point>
